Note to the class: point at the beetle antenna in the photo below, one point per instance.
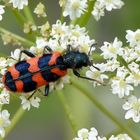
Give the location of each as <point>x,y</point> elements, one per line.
<point>91,48</point>
<point>96,68</point>
<point>91,64</point>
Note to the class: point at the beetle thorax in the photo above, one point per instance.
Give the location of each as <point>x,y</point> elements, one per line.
<point>76,60</point>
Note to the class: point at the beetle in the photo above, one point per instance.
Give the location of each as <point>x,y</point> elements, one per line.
<point>28,75</point>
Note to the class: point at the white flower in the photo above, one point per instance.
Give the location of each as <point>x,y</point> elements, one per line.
<point>132,105</point>
<point>111,50</point>
<point>15,55</point>
<point>3,65</point>
<point>113,4</point>
<point>85,134</point>
<point>122,72</point>
<point>101,138</point>
<point>93,133</point>
<point>96,74</point>
<point>4,96</point>
<point>134,67</point>
<point>112,65</point>
<point>26,104</point>
<point>85,44</point>
<point>108,66</point>
<point>38,49</point>
<point>133,38</point>
<point>63,35</point>
<point>74,8</point>
<point>120,137</point>
<point>55,45</point>
<point>134,78</point>
<point>59,29</point>
<point>4,121</point>
<point>59,84</point>
<point>2,62</point>
<point>62,2</point>
<point>120,85</point>
<point>1,84</point>
<point>1,11</point>
<point>101,5</point>
<point>98,10</point>
<point>40,10</point>
<point>19,3</point>
<point>129,54</point>
<point>45,29</point>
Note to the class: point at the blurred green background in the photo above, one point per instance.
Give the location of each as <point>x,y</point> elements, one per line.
<point>50,122</point>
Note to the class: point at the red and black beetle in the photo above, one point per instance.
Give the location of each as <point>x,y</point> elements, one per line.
<point>28,75</point>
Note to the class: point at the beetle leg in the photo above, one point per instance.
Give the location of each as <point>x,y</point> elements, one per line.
<point>69,48</point>
<point>48,49</point>
<point>91,48</point>
<point>46,90</point>
<point>31,95</point>
<point>76,73</point>
<point>27,53</point>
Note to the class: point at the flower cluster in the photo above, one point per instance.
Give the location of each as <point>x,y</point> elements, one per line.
<point>4,93</point>
<point>26,103</point>
<point>126,64</point>
<point>40,10</point>
<point>85,134</point>
<point>61,35</point>
<point>74,8</point>
<point>19,3</point>
<point>132,105</point>
<point>120,137</point>
<point>124,61</point>
<point>97,75</point>
<point>1,11</point>
<point>102,5</point>
<point>4,121</point>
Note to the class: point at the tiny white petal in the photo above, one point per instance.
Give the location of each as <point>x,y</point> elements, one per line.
<point>19,3</point>
<point>74,8</point>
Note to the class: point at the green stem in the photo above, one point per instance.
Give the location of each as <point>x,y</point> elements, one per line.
<point>83,20</point>
<point>15,120</point>
<point>24,41</point>
<point>117,131</point>
<point>62,17</point>
<point>97,57</point>
<point>21,19</point>
<point>28,14</point>
<point>123,62</point>
<point>68,111</point>
<point>88,94</point>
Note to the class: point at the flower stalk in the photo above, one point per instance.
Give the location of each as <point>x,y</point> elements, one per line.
<point>21,19</point>
<point>68,111</point>
<point>24,41</point>
<point>86,92</point>
<point>28,14</point>
<point>83,20</point>
<point>14,120</point>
